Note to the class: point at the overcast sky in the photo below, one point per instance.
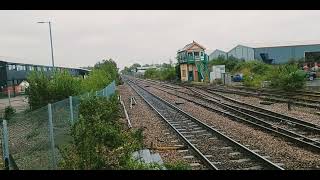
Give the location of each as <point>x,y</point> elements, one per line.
<point>81,38</point>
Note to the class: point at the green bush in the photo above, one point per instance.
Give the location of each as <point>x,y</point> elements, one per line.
<point>152,74</point>
<point>38,91</point>
<point>99,141</point>
<point>164,74</point>
<point>110,68</point>
<point>230,63</point>
<point>288,77</point>
<point>168,74</point>
<point>254,72</point>
<point>9,112</point>
<point>96,80</point>
<point>44,89</point>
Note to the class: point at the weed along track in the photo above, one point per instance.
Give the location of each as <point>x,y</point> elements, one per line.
<point>213,149</point>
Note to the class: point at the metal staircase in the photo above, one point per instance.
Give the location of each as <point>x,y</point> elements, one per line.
<point>203,70</point>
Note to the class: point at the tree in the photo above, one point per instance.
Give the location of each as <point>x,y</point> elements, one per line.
<point>110,67</point>
<point>129,70</point>
<point>165,65</point>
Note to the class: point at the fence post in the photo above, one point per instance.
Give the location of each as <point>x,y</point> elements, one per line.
<point>71,109</point>
<point>5,145</point>
<point>107,91</point>
<point>9,97</point>
<point>51,139</point>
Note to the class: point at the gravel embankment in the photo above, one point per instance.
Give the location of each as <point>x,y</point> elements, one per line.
<point>155,131</point>
<point>303,113</point>
<point>278,149</point>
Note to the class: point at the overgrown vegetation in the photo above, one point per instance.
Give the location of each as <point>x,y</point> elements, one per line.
<point>286,77</point>
<point>99,139</point>
<point>44,89</point>
<point>9,112</point>
<point>230,63</point>
<point>164,74</point>
<point>131,69</point>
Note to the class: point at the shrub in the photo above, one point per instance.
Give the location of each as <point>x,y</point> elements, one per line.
<point>288,77</point>
<point>110,68</point>
<point>230,63</point>
<point>164,74</point>
<point>38,91</point>
<point>152,74</point>
<point>9,112</point>
<point>44,89</point>
<point>96,80</point>
<point>168,74</point>
<point>99,142</point>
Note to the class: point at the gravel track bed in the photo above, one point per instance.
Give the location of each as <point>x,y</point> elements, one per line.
<point>155,130</point>
<point>277,148</point>
<point>303,113</point>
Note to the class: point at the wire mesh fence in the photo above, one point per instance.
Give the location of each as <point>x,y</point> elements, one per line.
<point>35,137</point>
<point>18,102</point>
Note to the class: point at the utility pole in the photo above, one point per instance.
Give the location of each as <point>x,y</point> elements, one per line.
<point>52,58</point>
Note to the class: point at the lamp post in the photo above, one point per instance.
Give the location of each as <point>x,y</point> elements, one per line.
<point>50,41</point>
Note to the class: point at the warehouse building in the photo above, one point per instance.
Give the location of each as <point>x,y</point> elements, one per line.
<point>12,74</point>
<point>273,54</point>
<point>217,53</point>
<point>282,54</point>
<point>242,52</point>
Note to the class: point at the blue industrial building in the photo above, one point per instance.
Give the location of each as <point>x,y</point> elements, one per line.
<point>273,54</point>
<point>282,54</point>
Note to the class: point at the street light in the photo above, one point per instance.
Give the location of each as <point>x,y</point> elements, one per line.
<point>50,41</point>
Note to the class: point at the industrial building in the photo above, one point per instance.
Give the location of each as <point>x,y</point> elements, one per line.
<point>272,54</point>
<point>217,53</point>
<point>193,62</point>
<point>12,73</point>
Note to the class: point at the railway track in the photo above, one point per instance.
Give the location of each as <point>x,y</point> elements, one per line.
<point>284,98</point>
<point>301,133</point>
<point>312,94</point>
<point>214,149</point>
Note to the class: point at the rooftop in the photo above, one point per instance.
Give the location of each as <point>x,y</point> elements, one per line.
<point>188,46</point>
<point>14,60</point>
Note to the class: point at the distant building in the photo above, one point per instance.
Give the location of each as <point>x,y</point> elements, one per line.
<point>12,74</point>
<point>282,54</point>
<point>193,62</point>
<point>273,54</point>
<point>217,53</point>
<point>142,70</point>
<point>242,52</point>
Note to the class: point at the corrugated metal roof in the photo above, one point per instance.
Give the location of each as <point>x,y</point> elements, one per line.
<point>284,44</point>
<point>23,62</point>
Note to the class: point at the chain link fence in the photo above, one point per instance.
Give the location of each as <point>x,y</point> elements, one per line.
<point>18,102</point>
<point>34,138</point>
